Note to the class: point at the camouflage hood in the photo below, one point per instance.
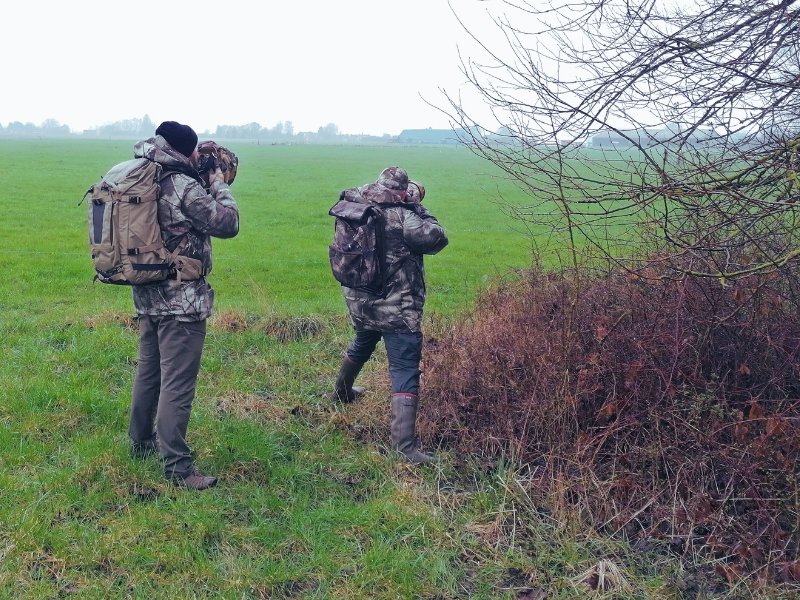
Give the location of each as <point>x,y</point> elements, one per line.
<point>378,193</point>
<point>158,150</point>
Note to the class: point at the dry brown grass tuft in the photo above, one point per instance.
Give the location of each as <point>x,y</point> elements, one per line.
<point>294,329</point>
<point>259,407</point>
<point>253,471</point>
<point>367,419</point>
<point>603,577</point>
<point>125,320</point>
<point>230,321</point>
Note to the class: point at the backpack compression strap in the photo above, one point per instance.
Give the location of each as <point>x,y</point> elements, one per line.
<point>169,265</point>
<point>149,247</point>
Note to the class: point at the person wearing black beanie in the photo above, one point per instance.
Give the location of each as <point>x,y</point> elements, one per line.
<point>172,313</point>
<point>181,137</point>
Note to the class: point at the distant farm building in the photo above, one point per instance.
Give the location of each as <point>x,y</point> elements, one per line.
<point>651,136</point>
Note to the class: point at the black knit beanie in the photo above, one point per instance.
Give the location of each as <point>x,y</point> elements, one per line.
<point>181,137</point>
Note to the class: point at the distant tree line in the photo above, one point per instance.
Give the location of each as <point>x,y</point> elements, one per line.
<point>255,131</point>
<point>139,128</point>
<point>50,128</point>
<point>127,128</point>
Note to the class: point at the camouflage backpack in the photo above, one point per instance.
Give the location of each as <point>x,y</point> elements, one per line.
<point>356,253</point>
<point>124,234</point>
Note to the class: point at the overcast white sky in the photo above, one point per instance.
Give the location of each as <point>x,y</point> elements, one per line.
<point>361,64</point>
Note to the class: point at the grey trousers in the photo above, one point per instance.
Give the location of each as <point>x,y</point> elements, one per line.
<point>164,387</point>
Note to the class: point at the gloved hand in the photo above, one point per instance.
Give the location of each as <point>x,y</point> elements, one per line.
<point>216,175</point>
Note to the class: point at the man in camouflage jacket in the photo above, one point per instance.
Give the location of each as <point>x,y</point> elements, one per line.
<point>172,313</point>
<point>395,315</point>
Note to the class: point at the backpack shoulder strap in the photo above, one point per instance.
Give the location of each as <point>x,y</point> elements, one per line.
<point>179,169</point>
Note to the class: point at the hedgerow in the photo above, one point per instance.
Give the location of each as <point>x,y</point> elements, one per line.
<point>663,409</point>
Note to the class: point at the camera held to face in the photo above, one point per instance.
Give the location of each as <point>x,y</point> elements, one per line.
<point>210,156</point>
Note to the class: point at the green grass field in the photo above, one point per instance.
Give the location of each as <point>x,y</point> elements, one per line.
<point>310,503</point>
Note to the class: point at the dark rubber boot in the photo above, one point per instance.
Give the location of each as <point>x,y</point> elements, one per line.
<point>404,429</point>
<point>344,390</point>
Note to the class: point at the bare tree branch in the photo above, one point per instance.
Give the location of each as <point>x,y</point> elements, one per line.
<point>636,125</point>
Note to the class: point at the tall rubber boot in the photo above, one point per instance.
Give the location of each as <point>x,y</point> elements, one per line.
<point>344,391</point>
<point>404,429</point>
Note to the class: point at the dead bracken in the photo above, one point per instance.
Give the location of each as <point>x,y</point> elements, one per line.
<point>663,410</point>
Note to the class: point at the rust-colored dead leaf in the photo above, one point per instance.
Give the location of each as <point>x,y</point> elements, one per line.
<point>755,412</point>
<point>740,431</point>
<point>743,369</point>
<point>775,426</point>
<point>729,572</point>
<point>632,374</point>
<point>608,410</point>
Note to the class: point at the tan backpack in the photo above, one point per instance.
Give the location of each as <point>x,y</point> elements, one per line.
<point>124,234</point>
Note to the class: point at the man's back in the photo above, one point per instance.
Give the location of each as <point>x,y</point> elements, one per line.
<point>410,231</point>
<point>185,212</point>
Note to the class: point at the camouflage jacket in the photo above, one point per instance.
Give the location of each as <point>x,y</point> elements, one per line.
<point>185,209</point>
<point>409,232</point>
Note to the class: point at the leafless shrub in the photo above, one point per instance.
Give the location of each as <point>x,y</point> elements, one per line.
<point>659,409</point>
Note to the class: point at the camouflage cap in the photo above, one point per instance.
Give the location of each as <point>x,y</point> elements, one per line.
<point>394,178</point>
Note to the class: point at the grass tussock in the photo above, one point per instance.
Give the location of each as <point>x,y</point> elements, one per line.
<point>125,320</point>
<point>231,321</point>
<point>283,329</point>
<point>605,576</point>
<point>294,329</point>
<point>667,411</point>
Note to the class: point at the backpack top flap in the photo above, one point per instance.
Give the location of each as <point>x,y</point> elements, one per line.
<point>124,233</point>
<point>352,211</point>
<point>356,251</point>
<point>137,177</point>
